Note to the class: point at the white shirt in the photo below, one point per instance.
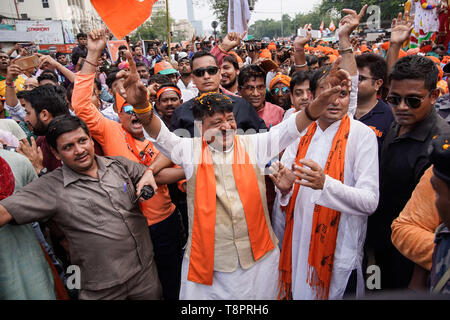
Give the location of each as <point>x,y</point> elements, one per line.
<point>187,92</point>
<point>356,199</point>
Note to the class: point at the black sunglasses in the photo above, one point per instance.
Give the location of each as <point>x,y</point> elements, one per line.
<point>200,72</point>
<point>412,102</point>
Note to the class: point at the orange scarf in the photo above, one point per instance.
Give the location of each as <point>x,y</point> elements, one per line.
<point>325,221</point>
<point>201,263</point>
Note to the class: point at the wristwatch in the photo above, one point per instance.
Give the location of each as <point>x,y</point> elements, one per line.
<point>42,172</point>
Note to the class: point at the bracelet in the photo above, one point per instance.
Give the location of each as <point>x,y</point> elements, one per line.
<point>150,169</point>
<point>141,111</point>
<point>221,49</point>
<point>308,115</point>
<point>94,65</point>
<point>346,50</point>
<point>300,65</point>
<point>10,84</point>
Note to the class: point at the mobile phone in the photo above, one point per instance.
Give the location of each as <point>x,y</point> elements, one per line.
<point>268,65</point>
<point>24,45</point>
<point>27,62</point>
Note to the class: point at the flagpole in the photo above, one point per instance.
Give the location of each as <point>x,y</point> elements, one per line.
<point>168,31</point>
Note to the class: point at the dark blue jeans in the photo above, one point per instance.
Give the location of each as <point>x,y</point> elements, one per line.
<point>167,244</point>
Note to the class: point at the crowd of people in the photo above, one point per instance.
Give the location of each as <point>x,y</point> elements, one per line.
<point>278,170</point>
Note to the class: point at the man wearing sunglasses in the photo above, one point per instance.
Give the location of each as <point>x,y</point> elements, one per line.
<point>404,159</point>
<point>206,77</point>
<point>372,111</point>
<point>279,91</point>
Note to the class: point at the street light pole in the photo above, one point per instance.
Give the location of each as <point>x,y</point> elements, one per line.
<point>168,30</point>
<point>281,3</point>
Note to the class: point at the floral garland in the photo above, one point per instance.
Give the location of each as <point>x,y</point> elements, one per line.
<point>427,6</point>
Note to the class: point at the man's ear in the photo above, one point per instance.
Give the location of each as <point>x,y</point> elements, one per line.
<point>378,84</point>
<point>435,95</point>
<point>45,116</point>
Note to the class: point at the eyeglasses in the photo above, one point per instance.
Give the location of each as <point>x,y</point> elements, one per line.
<point>200,72</point>
<point>412,102</point>
<point>362,78</point>
<point>276,91</point>
<point>128,109</point>
<point>252,88</point>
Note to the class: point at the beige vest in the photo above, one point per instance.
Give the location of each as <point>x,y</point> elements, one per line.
<point>232,244</point>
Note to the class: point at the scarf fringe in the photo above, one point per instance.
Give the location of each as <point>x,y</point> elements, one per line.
<point>285,286</point>
<point>316,284</point>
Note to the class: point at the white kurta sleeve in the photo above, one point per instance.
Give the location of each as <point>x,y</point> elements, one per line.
<point>353,95</point>
<point>361,198</point>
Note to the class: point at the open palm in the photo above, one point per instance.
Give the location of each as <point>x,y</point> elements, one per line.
<point>401,28</point>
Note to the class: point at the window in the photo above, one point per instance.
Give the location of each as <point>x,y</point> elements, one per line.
<point>19,0</point>
<point>24,16</point>
<point>45,4</point>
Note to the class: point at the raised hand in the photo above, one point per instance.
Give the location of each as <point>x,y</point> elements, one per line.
<point>232,40</point>
<point>401,28</point>
<point>12,72</point>
<point>136,91</point>
<point>300,41</point>
<point>46,61</point>
<point>351,21</point>
<point>97,40</point>
<point>282,177</point>
<point>33,153</point>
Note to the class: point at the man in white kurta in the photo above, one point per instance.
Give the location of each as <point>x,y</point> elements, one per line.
<point>356,199</point>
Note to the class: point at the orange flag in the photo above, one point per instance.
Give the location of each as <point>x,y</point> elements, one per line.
<point>321,26</point>
<point>123,16</point>
<point>332,27</point>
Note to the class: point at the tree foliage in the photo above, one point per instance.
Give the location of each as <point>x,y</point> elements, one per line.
<point>156,28</point>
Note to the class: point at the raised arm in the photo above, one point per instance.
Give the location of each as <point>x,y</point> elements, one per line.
<point>401,30</point>
<point>346,26</point>
<point>299,50</point>
<point>46,60</point>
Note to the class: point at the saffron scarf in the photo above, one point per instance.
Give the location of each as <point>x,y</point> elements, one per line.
<point>325,221</point>
<point>201,261</point>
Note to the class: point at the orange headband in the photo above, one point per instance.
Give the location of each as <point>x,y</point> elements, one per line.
<point>162,90</point>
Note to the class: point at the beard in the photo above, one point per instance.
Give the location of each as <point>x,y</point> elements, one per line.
<point>230,84</point>
<point>185,74</point>
<point>40,129</point>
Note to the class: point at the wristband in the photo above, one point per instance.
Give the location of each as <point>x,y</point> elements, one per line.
<point>221,49</point>
<point>10,84</point>
<point>300,65</point>
<point>346,50</point>
<point>94,65</point>
<point>141,111</point>
<point>150,169</point>
<point>308,115</point>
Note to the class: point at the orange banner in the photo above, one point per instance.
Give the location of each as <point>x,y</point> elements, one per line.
<point>123,16</point>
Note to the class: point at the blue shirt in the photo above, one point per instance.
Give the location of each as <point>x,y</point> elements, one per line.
<point>379,119</point>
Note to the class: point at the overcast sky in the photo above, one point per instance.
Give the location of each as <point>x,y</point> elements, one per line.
<point>264,9</point>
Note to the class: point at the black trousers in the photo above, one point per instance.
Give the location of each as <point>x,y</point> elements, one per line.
<point>167,244</point>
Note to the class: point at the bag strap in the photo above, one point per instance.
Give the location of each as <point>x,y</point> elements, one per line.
<point>442,282</point>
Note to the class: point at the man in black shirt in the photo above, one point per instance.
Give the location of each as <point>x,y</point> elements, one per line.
<point>372,111</point>
<point>404,158</point>
<point>206,77</point>
<point>80,51</point>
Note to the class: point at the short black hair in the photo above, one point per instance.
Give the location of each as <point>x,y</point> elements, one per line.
<point>48,97</point>
<point>111,77</point>
<point>200,54</point>
<point>317,76</point>
<point>311,59</point>
<point>22,94</point>
<point>141,64</point>
<point>231,59</point>
<point>417,68</point>
<point>159,79</point>
<point>63,124</point>
<point>249,72</point>
<point>376,64</point>
<point>81,35</point>
<point>48,75</point>
<point>210,104</point>
<point>58,54</point>
<point>298,78</point>
<point>123,47</point>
